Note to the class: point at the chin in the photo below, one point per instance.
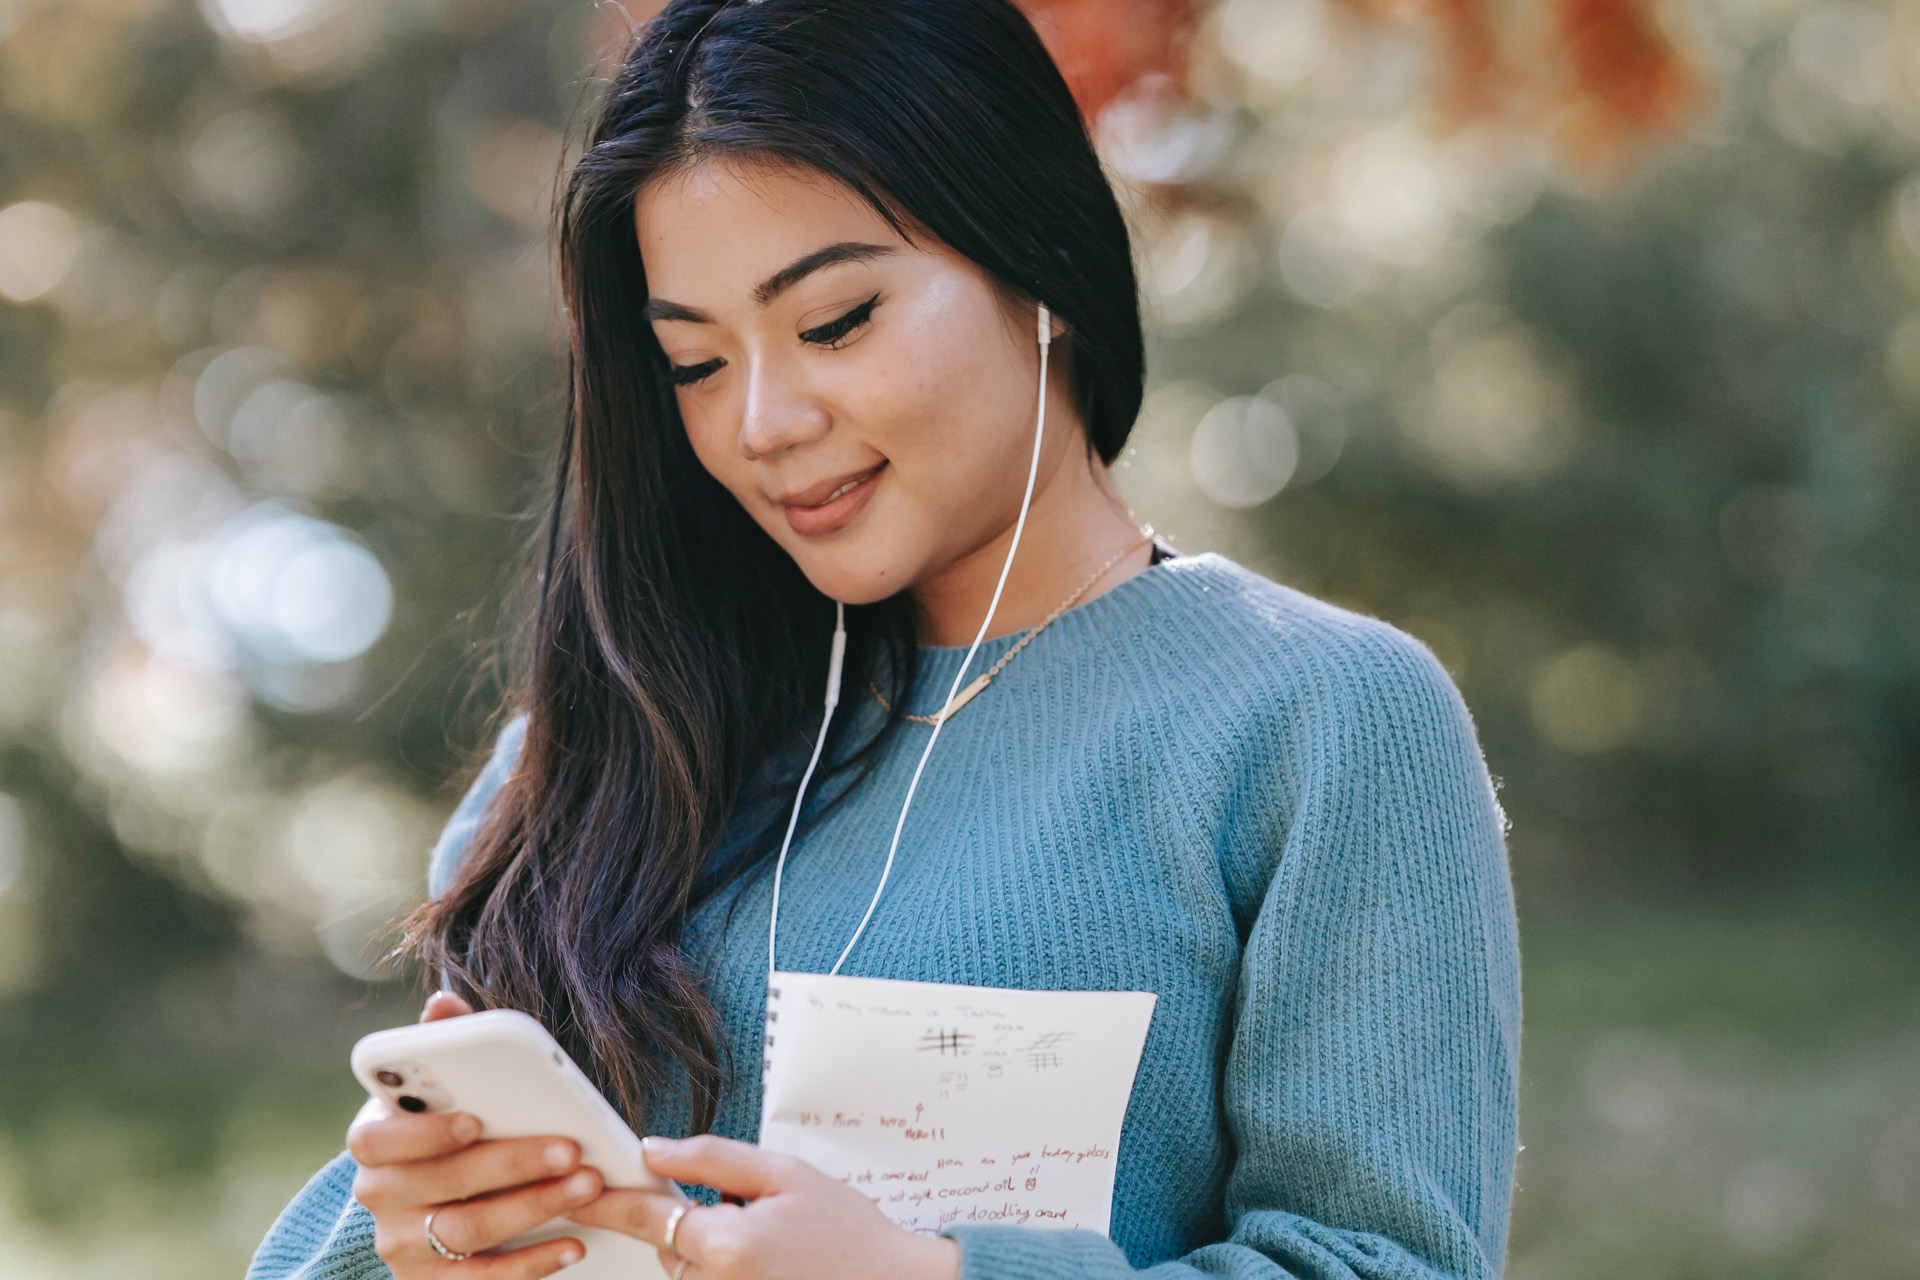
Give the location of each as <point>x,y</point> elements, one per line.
<point>861,570</point>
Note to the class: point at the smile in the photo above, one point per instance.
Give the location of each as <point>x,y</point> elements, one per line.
<point>847,487</point>
<point>832,512</point>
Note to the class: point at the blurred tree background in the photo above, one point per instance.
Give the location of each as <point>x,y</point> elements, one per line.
<point>1609,394</point>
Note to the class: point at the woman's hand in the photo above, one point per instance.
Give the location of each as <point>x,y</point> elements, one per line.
<point>480,1193</point>
<point>797,1224</point>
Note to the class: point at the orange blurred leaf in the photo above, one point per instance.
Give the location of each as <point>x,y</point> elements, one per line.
<point>1104,46</point>
<point>1607,77</point>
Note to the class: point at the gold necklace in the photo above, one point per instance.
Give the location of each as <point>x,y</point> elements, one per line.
<point>985,678</point>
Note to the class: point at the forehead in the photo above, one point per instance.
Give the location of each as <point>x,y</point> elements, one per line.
<point>710,232</point>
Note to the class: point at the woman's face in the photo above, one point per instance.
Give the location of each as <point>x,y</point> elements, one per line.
<point>869,401</point>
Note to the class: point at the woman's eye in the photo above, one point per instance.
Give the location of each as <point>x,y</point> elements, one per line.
<point>833,332</point>
<point>685,375</point>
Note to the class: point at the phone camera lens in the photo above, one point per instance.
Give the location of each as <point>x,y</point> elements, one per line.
<point>391,1079</point>
<point>410,1103</point>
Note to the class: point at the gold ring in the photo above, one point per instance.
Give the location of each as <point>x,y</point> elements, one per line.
<point>433,1241</point>
<point>673,1229</point>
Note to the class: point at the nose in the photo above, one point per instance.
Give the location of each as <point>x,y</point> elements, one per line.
<point>779,413</point>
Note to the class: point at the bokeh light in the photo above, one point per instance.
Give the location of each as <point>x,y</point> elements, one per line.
<point>1244,451</point>
<point>38,243</point>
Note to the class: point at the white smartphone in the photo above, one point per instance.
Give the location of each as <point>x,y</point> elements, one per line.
<point>502,1068</point>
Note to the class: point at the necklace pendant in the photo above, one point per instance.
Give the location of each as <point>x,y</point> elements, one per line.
<point>967,694</point>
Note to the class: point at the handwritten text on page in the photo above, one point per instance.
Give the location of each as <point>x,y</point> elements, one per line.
<point>951,1103</point>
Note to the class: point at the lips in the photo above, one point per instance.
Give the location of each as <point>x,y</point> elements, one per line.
<point>826,507</point>
<point>843,488</point>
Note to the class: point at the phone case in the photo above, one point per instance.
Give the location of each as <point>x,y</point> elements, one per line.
<point>503,1068</point>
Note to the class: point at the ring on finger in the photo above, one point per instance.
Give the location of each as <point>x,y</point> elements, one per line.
<point>433,1242</point>
<point>673,1229</point>
<point>681,1269</point>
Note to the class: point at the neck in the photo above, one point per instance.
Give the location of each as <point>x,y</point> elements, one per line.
<point>1076,523</point>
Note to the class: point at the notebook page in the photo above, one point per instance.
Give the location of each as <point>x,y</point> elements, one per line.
<point>952,1103</point>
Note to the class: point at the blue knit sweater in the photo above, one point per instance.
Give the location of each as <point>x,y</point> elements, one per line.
<point>1269,811</point>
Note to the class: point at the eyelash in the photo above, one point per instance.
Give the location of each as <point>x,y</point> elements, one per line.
<point>830,335</point>
<point>685,375</point>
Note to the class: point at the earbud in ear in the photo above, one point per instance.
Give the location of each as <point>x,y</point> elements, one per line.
<point>1046,326</point>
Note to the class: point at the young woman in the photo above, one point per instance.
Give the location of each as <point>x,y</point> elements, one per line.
<point>809,255</point>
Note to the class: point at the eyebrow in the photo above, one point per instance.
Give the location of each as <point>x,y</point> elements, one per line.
<point>779,282</point>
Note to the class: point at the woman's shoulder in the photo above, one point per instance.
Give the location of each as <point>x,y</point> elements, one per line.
<point>1338,734</point>
<point>458,833</point>
<point>1238,639</point>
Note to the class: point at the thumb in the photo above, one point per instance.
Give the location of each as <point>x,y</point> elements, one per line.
<point>444,1004</point>
<point>729,1167</point>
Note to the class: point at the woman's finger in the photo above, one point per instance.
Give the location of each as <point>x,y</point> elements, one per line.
<point>370,1110</point>
<point>644,1215</point>
<point>384,1138</point>
<point>482,1168</point>
<point>471,1226</point>
<point>530,1263</point>
<point>444,1004</point>
<point>730,1167</point>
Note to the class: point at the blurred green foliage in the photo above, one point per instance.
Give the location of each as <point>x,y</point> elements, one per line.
<point>1637,454</point>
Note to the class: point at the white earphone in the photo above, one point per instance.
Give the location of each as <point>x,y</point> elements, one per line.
<point>838,660</point>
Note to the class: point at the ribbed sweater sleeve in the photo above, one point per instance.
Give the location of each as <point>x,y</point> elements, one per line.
<point>1370,1077</point>
<point>323,1234</point>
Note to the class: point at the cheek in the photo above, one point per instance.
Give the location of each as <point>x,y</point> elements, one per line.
<point>714,446</point>
<point>945,387</point>
<point>701,430</point>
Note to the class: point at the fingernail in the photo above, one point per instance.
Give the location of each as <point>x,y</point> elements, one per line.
<point>579,1184</point>
<point>465,1128</point>
<point>569,1256</point>
<point>654,1143</point>
<point>559,1155</point>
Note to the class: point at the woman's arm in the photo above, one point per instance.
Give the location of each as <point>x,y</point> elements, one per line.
<point>1370,1083</point>
<point>324,1233</point>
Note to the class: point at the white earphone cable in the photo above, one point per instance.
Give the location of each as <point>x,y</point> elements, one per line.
<point>833,699</point>
<point>1045,337</point>
<point>1026,500</point>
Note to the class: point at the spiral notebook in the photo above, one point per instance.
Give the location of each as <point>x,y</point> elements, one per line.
<point>952,1103</point>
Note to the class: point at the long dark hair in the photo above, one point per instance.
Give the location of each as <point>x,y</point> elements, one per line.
<point>675,652</point>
